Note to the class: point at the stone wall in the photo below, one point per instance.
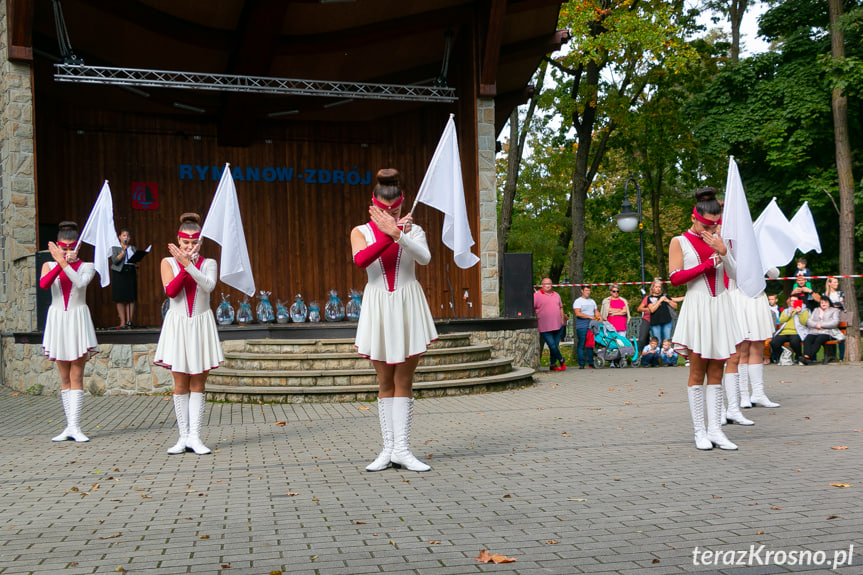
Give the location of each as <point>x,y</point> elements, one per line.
<point>118,369</point>
<point>17,192</point>
<point>127,369</point>
<point>487,208</point>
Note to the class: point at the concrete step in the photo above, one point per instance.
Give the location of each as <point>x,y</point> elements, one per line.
<point>346,360</point>
<point>514,378</point>
<point>342,345</point>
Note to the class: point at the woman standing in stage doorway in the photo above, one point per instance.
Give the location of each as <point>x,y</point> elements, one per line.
<point>706,330</point>
<point>189,342</point>
<point>70,339</point>
<point>395,325</point>
<point>124,276</point>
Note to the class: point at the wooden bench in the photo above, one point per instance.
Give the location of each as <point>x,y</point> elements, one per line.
<point>832,350</point>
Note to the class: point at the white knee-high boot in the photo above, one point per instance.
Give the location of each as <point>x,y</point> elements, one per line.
<point>66,433</point>
<point>181,410</point>
<point>733,414</point>
<point>76,397</point>
<point>196,417</point>
<point>713,399</point>
<point>743,383</point>
<point>756,376</point>
<point>385,416</point>
<point>403,408</point>
<point>696,409</point>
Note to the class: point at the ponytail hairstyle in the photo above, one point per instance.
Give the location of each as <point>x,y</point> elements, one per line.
<point>67,231</point>
<point>388,187</point>
<point>190,223</point>
<point>706,202</point>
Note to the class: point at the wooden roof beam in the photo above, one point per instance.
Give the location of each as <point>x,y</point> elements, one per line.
<point>491,53</point>
<point>534,47</point>
<point>19,29</point>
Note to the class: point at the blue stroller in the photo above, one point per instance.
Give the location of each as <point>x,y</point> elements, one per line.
<point>611,346</point>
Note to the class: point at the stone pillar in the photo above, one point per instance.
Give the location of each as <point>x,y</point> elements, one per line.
<point>17,192</point>
<point>487,208</point>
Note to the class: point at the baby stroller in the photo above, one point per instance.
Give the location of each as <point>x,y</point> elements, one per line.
<point>611,346</point>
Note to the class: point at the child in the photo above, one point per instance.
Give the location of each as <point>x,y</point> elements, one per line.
<point>804,271</point>
<point>669,356</point>
<point>650,354</point>
<point>773,302</point>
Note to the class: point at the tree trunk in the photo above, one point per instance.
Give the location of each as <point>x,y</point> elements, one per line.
<point>736,9</point>
<point>513,159</point>
<point>846,190</point>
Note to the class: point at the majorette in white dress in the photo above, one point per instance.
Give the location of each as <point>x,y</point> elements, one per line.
<point>189,342</point>
<point>395,321</point>
<point>69,332</point>
<point>753,314</point>
<point>706,324</point>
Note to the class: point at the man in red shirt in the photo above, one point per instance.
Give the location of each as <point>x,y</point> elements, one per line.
<point>549,319</point>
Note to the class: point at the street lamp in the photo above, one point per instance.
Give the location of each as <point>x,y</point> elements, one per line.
<point>627,220</point>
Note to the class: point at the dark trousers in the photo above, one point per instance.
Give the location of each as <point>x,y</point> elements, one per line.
<point>793,341</point>
<point>650,359</point>
<point>583,354</point>
<point>552,340</point>
<point>813,343</point>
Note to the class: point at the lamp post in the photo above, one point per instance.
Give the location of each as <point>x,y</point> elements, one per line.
<point>627,220</point>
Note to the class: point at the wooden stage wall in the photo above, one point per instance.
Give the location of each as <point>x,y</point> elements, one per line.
<point>297,231</point>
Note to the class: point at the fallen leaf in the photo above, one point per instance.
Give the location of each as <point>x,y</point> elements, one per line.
<point>275,573</point>
<point>225,565</point>
<point>840,447</point>
<point>359,522</point>
<point>775,508</point>
<point>119,569</point>
<point>655,561</point>
<point>573,499</point>
<point>73,564</point>
<point>717,497</point>
<point>190,491</point>
<point>434,542</point>
<point>840,485</point>
<point>363,407</point>
<point>15,395</point>
<point>406,480</point>
<point>486,557</point>
<point>281,423</point>
<point>314,557</point>
<point>74,489</point>
<point>291,493</point>
<point>858,430</point>
<point>95,486</point>
<point>832,517</point>
<point>759,532</point>
<point>507,496</point>
<point>616,479</point>
<point>203,536</point>
<point>552,542</point>
<point>112,536</point>
<point>145,496</point>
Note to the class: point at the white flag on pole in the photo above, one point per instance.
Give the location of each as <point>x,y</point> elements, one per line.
<point>777,239</point>
<point>804,225</point>
<point>99,232</point>
<point>443,189</point>
<point>737,227</point>
<point>224,226</point>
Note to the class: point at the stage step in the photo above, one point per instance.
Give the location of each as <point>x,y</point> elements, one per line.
<point>287,371</point>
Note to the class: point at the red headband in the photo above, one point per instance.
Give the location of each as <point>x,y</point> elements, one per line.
<point>703,220</point>
<point>65,245</point>
<point>383,206</point>
<point>193,236</point>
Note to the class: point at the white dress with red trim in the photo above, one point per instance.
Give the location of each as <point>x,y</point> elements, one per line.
<point>69,332</point>
<point>189,341</point>
<point>706,324</point>
<point>753,314</point>
<point>395,320</point>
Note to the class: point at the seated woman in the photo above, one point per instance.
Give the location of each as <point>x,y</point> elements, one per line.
<point>792,327</point>
<point>821,321</point>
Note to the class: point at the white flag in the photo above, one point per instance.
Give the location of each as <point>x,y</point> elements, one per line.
<point>737,227</point>
<point>224,226</point>
<point>777,239</point>
<point>99,232</point>
<point>443,189</point>
<point>804,225</point>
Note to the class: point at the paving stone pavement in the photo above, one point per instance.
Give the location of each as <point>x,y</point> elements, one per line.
<point>591,471</point>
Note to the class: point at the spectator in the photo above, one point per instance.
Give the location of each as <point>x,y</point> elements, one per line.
<point>669,356</point>
<point>651,354</point>
<point>820,322</point>
<point>832,292</point>
<point>660,306</point>
<point>549,319</point>
<point>803,291</point>
<point>793,327</point>
<point>804,271</point>
<point>615,310</point>
<point>585,310</point>
<point>773,302</point>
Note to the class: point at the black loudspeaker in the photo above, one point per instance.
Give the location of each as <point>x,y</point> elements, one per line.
<point>518,285</point>
<point>43,296</point>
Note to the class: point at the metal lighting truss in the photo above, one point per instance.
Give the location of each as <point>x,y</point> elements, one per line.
<point>256,84</point>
